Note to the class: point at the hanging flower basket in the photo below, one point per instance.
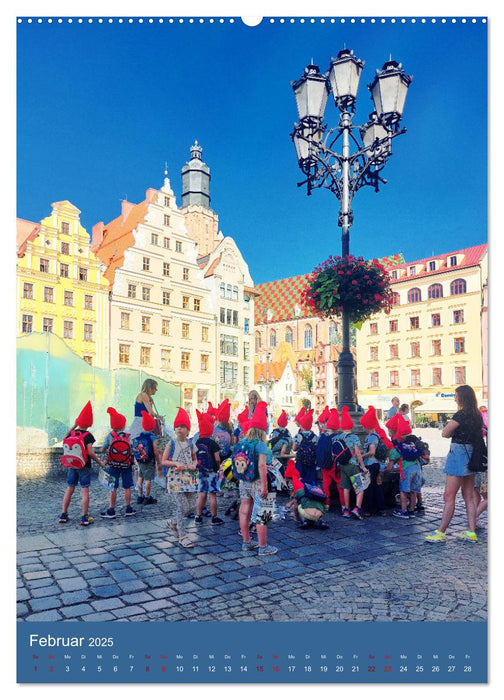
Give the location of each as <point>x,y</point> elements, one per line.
<point>359,287</point>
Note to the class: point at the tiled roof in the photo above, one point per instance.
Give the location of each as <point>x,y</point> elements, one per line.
<point>25,231</point>
<point>274,371</point>
<point>471,256</point>
<point>282,298</point>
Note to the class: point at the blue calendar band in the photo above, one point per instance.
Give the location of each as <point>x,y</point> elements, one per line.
<point>252,652</point>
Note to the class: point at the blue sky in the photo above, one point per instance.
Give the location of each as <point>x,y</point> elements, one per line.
<point>101,107</point>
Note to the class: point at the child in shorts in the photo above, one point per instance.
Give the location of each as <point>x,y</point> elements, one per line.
<point>119,463</point>
<point>351,468</point>
<point>208,461</point>
<point>144,447</point>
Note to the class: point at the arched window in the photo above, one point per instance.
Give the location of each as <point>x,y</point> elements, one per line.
<point>333,333</point>
<point>458,287</point>
<point>435,291</point>
<point>288,335</point>
<point>272,339</point>
<point>414,295</point>
<point>308,338</point>
<point>395,300</point>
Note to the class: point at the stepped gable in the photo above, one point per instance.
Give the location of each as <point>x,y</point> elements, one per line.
<point>25,231</point>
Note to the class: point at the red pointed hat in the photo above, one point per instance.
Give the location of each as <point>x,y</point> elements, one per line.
<point>182,418</point>
<point>403,428</point>
<point>300,414</point>
<point>259,418</point>
<point>117,420</point>
<point>306,421</point>
<point>346,421</point>
<point>297,484</point>
<point>333,422</point>
<point>148,422</point>
<point>391,424</point>
<point>385,438</point>
<point>205,423</point>
<point>282,420</point>
<point>224,411</point>
<point>243,416</point>
<point>290,469</point>
<point>245,425</point>
<point>324,416</point>
<point>369,420</point>
<point>85,418</point>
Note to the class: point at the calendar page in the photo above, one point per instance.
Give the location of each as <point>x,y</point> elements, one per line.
<point>261,224</point>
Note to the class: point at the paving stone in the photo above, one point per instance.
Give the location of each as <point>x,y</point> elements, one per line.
<point>75,597</point>
<point>47,616</point>
<point>76,610</point>
<point>99,617</point>
<point>46,591</point>
<point>106,591</point>
<point>72,584</point>
<point>39,604</point>
<point>132,585</point>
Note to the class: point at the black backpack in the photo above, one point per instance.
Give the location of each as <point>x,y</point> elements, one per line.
<point>341,452</point>
<point>381,450</point>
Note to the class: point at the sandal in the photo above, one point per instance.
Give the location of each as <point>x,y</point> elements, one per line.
<point>173,526</point>
<point>186,542</point>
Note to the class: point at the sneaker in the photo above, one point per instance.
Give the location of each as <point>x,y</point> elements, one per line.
<point>468,536</point>
<point>346,513</point>
<point>149,500</point>
<point>356,513</point>
<point>248,546</point>
<point>217,521</point>
<point>129,511</point>
<point>198,519</point>
<point>140,500</point>
<point>411,514</point>
<point>63,518</point>
<point>267,550</point>
<point>436,536</point>
<point>401,514</point>
<point>86,520</point>
<point>109,514</point>
<point>206,513</point>
<point>419,507</point>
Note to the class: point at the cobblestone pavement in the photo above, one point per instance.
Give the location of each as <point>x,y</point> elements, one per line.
<point>133,569</point>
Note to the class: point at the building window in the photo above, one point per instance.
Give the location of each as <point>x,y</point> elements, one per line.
<point>393,275</point>
<point>204,334</point>
<point>47,325</point>
<point>178,246</point>
<point>125,321</point>
<point>185,302</point>
<point>246,301</point>
<point>146,324</point>
<point>246,325</point>
<point>49,295</point>
<point>166,220</point>
<point>415,349</point>
<point>414,295</point>
<point>165,326</point>
<point>415,377</point>
<point>458,316</point>
<point>222,315</point>
<point>435,291</point>
<point>458,286</point>
<point>131,291</point>
<point>204,363</point>
<point>414,322</point>
<point>235,293</point>
<point>44,265</point>
<point>145,264</point>
<point>246,377</point>
<point>185,274</point>
<point>453,261</point>
<point>83,274</point>
<point>273,339</point>
<point>394,377</point>
<point>88,359</point>
<point>185,358</point>
<point>68,329</point>
<point>185,330</point>
<point>394,351</point>
<point>289,336</point>
<point>257,342</point>
<point>228,345</point>
<point>229,291</point>
<point>436,375</point>
<point>145,356</point>
<point>146,293</point>
<point>27,323</point>
<point>395,299</point>
<point>166,242</point>
<point>154,239</point>
<point>373,328</point>
<point>65,227</point>
<point>308,338</point>
<point>246,351</point>
<point>460,375</point>
<point>166,269</point>
<point>436,347</point>
<point>88,332</point>
<point>64,270</point>
<point>68,297</point>
<point>374,380</point>
<point>124,354</point>
<point>88,302</point>
<point>27,290</point>
<point>436,320</point>
<point>373,352</point>
<point>229,372</point>
<point>165,358</point>
<point>166,298</point>
<point>412,270</point>
<point>65,248</point>
<point>197,304</point>
<point>459,345</point>
<point>393,326</point>
<point>432,266</point>
<point>222,290</point>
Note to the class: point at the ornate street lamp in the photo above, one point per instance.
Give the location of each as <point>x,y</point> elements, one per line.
<point>360,160</point>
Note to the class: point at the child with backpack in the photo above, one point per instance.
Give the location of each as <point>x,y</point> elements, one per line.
<point>326,459</point>
<point>119,463</point>
<point>249,467</point>
<point>77,454</point>
<point>305,447</point>
<point>355,465</point>
<point>280,442</point>
<point>208,461</point>
<point>310,502</point>
<point>222,432</point>
<point>180,458</point>
<point>144,451</point>
<point>407,456</point>
<point>374,455</point>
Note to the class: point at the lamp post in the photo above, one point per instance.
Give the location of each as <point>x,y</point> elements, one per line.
<point>362,156</point>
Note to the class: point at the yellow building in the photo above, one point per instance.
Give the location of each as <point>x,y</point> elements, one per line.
<point>60,288</point>
<point>431,342</point>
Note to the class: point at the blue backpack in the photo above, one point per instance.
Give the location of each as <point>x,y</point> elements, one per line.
<point>324,453</point>
<point>314,492</point>
<point>143,449</point>
<point>205,461</point>
<point>223,439</point>
<point>307,451</point>
<point>244,461</point>
<point>408,451</point>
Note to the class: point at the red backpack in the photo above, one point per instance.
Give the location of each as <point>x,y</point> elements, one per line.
<point>120,454</point>
<point>75,454</point>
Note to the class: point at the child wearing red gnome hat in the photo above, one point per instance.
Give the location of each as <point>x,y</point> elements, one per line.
<point>81,476</point>
<point>374,501</point>
<point>180,457</point>
<point>305,447</point>
<point>326,459</point>
<point>208,460</point>
<point>119,462</point>
<point>222,432</point>
<point>353,467</point>
<point>145,447</point>
<point>280,442</point>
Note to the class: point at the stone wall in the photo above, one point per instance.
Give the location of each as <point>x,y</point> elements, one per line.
<point>40,462</point>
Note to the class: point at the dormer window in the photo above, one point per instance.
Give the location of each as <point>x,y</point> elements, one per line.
<point>453,260</point>
<point>393,275</point>
<point>412,270</point>
<point>432,265</point>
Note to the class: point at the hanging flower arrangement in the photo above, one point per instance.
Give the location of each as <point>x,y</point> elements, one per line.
<point>359,287</point>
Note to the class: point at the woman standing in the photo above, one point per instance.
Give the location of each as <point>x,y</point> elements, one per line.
<point>464,429</point>
<point>143,402</point>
